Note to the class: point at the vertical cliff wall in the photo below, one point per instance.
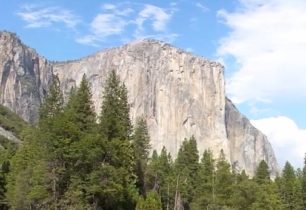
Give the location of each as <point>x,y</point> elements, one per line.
<point>24,77</point>
<point>179,94</point>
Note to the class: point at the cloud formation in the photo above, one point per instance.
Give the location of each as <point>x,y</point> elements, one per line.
<point>39,17</point>
<point>129,21</point>
<point>287,139</point>
<point>267,41</point>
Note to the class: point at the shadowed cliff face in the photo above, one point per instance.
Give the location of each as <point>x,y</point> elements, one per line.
<point>179,94</point>
<point>24,76</point>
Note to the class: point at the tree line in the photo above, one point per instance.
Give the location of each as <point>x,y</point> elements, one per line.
<point>73,159</point>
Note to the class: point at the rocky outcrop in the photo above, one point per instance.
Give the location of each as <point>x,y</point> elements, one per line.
<point>24,77</point>
<point>9,136</point>
<point>252,145</point>
<point>179,94</point>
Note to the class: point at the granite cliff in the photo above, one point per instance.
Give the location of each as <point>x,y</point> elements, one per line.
<point>179,94</point>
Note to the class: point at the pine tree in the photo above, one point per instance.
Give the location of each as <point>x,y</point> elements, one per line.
<point>267,197</point>
<point>223,181</point>
<point>28,181</point>
<point>31,179</point>
<point>141,146</point>
<point>53,102</point>
<point>304,183</point>
<point>205,189</point>
<point>262,174</point>
<point>80,108</point>
<point>289,189</point>
<point>151,202</point>
<point>187,168</point>
<point>116,166</point>
<point>244,192</point>
<point>266,194</point>
<point>159,177</point>
<point>114,117</point>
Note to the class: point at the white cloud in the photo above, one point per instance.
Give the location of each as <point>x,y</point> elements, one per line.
<point>109,6</point>
<point>129,21</point>
<point>201,6</point>
<point>38,17</point>
<point>287,139</point>
<point>158,16</point>
<point>267,40</point>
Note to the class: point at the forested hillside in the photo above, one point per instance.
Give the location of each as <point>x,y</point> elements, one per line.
<point>73,159</point>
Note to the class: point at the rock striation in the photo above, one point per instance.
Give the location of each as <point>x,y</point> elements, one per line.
<point>179,94</point>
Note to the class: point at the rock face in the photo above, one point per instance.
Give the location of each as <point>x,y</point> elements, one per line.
<point>9,135</point>
<point>253,148</point>
<point>24,77</point>
<point>179,94</point>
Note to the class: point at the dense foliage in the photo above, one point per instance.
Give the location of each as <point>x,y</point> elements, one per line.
<point>73,159</point>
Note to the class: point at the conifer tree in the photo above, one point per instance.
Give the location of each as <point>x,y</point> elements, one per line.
<point>223,181</point>
<point>262,174</point>
<point>205,189</point>
<point>80,108</point>
<point>151,202</point>
<point>53,101</point>
<point>267,197</point>
<point>289,189</point>
<point>266,193</point>
<point>187,168</point>
<point>244,192</point>
<point>304,184</point>
<point>114,118</point>
<point>117,165</point>
<point>160,177</point>
<point>141,146</point>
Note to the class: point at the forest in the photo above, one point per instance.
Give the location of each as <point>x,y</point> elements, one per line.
<point>74,159</point>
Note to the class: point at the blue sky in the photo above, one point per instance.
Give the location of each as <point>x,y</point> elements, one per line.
<point>261,43</point>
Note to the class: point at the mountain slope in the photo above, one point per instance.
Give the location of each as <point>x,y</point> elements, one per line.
<point>179,94</point>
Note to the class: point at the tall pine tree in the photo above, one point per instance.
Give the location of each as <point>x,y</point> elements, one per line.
<point>205,189</point>
<point>141,146</point>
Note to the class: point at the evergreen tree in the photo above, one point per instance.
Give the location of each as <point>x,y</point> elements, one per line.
<point>266,194</point>
<point>267,197</point>
<point>114,118</point>
<point>205,189</point>
<point>141,146</point>
<point>28,181</point>
<point>53,101</point>
<point>223,181</point>
<point>244,192</point>
<point>304,184</point>
<point>262,174</point>
<point>151,202</point>
<point>187,167</point>
<point>289,189</point>
<point>116,168</point>
<point>80,108</point>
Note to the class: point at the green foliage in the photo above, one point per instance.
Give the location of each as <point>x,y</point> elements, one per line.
<point>262,173</point>
<point>80,110</point>
<point>223,181</point>
<point>244,192</point>
<point>267,197</point>
<point>73,161</point>
<point>289,189</point>
<point>53,102</point>
<point>303,182</point>
<point>151,202</point>
<point>114,117</point>
<point>141,146</point>
<point>204,190</point>
<point>11,121</point>
<point>187,168</point>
